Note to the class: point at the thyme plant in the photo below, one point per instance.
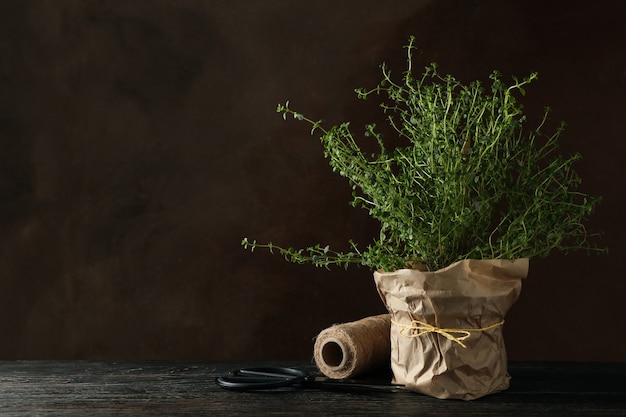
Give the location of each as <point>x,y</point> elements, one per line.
<point>467,181</point>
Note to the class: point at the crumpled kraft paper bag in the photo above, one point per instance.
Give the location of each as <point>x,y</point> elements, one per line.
<point>467,301</point>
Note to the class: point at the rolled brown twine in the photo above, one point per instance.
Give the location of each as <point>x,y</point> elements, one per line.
<point>349,349</point>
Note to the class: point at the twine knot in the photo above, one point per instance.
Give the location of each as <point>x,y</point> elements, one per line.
<point>419,328</point>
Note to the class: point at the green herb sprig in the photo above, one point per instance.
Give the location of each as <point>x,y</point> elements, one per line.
<point>469,181</point>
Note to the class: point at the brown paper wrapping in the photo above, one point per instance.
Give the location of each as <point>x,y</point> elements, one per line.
<point>350,349</point>
<point>467,296</point>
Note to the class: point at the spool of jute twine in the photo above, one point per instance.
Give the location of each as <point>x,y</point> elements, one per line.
<point>349,349</point>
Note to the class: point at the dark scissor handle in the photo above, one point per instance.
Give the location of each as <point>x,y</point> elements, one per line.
<point>251,379</point>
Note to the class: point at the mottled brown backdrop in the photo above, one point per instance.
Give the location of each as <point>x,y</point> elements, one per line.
<point>140,144</point>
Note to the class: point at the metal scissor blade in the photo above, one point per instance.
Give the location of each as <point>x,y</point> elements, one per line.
<point>353,385</point>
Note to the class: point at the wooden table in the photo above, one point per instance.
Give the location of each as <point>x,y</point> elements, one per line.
<point>94,388</point>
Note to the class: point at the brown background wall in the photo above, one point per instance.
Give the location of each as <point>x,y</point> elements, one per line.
<point>140,143</point>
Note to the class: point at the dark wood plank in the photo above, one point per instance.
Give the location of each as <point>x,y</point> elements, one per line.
<point>188,388</point>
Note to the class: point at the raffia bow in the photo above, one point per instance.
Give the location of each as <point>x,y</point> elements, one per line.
<point>419,328</point>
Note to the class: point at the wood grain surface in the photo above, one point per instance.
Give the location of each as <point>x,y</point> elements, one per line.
<point>73,388</point>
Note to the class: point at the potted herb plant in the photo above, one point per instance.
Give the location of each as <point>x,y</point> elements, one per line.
<point>464,197</point>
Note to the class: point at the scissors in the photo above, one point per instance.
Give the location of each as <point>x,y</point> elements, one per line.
<point>274,377</point>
